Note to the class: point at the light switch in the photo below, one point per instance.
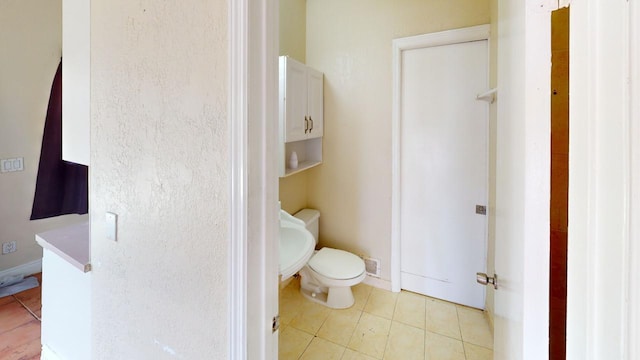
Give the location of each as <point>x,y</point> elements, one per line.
<point>112,226</point>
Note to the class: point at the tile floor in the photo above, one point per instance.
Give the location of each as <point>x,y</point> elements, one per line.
<point>381,325</point>
<point>20,324</point>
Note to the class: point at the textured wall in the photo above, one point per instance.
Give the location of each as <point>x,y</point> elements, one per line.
<point>293,28</point>
<point>159,159</point>
<point>351,43</point>
<point>30,49</point>
<point>293,32</point>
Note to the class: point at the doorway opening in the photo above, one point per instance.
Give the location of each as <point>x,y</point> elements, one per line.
<point>559,183</point>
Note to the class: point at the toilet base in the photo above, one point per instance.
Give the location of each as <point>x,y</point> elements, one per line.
<point>337,297</point>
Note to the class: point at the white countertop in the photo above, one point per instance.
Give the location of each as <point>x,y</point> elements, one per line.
<point>70,243</point>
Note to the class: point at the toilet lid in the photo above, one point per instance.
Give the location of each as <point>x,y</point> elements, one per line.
<point>336,264</point>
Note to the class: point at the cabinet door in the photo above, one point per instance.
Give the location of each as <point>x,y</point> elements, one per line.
<point>315,108</point>
<point>295,101</point>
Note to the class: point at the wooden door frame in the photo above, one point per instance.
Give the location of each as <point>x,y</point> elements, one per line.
<point>450,37</point>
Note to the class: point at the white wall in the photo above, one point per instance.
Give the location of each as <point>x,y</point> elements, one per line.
<point>31,46</point>
<point>293,28</point>
<point>160,160</point>
<point>351,43</point>
<point>523,153</point>
<point>293,36</point>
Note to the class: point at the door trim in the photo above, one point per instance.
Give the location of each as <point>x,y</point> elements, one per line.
<point>253,212</point>
<point>474,33</point>
<point>633,347</point>
<point>602,304</point>
<point>237,296</point>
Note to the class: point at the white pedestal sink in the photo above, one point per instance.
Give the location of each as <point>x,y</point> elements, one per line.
<point>296,248</point>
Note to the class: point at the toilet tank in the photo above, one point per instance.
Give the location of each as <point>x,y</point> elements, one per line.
<point>311,218</point>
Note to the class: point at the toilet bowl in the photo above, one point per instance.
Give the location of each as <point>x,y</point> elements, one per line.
<point>329,274</point>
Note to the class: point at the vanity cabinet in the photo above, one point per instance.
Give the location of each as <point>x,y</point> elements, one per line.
<point>301,124</point>
<point>66,293</point>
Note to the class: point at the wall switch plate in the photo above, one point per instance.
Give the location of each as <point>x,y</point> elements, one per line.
<point>10,165</point>
<point>112,226</point>
<point>9,247</point>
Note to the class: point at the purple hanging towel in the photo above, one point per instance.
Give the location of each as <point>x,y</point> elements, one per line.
<point>61,186</point>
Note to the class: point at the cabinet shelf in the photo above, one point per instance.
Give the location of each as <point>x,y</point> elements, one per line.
<point>301,167</point>
<point>309,154</point>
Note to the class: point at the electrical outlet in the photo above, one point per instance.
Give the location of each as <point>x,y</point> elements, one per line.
<point>9,247</point>
<point>11,165</point>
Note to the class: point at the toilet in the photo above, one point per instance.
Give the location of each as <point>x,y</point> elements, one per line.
<point>329,274</point>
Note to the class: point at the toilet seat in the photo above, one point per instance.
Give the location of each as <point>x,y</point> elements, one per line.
<point>337,264</point>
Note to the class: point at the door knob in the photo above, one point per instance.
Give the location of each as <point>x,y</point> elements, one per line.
<point>483,279</point>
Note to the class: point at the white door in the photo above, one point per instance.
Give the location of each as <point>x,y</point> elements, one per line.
<point>443,171</point>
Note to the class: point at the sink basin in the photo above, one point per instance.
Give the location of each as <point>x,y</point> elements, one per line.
<point>296,248</point>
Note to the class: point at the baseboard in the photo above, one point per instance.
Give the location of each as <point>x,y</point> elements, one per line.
<point>378,283</point>
<point>48,354</point>
<point>27,269</point>
<point>489,315</point>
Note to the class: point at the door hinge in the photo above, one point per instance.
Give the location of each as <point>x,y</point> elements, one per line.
<point>275,325</point>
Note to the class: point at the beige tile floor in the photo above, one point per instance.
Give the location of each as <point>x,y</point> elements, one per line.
<point>381,325</point>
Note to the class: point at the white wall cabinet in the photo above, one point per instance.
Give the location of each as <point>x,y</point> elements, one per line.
<point>76,26</point>
<point>301,115</point>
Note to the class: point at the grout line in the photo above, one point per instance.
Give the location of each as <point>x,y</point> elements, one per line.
<point>307,347</point>
<point>27,308</point>
<point>464,349</point>
<point>481,346</point>
<point>424,348</point>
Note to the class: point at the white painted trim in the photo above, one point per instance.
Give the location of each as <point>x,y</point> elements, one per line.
<point>601,313</point>
<point>30,268</point>
<point>563,3</point>
<point>633,347</point>
<point>474,33</point>
<point>238,89</point>
<point>262,176</point>
<point>377,283</point>
<point>253,114</point>
<point>48,354</point>
<point>448,37</point>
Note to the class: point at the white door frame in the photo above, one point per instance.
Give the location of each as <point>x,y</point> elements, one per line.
<point>633,347</point>
<point>603,301</point>
<point>474,33</point>
<point>253,122</point>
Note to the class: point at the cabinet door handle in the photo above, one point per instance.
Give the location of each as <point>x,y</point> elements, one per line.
<point>306,125</point>
<point>311,120</point>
